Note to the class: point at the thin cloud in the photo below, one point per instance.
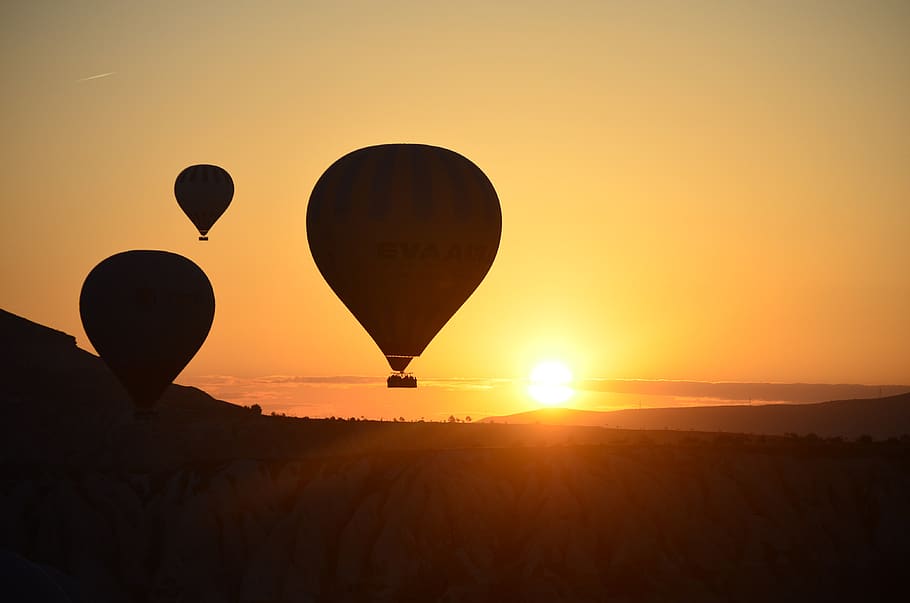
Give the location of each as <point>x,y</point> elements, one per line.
<point>700,391</point>
<point>447,383</point>
<point>341,380</point>
<point>330,380</point>
<point>96,77</point>
<point>466,383</point>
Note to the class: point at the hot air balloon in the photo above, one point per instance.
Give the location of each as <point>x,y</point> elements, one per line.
<point>147,313</point>
<point>403,234</point>
<point>204,193</point>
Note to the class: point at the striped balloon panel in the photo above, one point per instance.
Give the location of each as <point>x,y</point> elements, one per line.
<point>146,313</point>
<point>204,192</point>
<point>403,234</point>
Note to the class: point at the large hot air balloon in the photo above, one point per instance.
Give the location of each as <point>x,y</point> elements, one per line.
<point>147,314</point>
<point>403,234</point>
<point>204,193</point>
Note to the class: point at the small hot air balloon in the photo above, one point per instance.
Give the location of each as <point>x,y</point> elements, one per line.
<point>403,234</point>
<point>204,193</point>
<point>147,313</point>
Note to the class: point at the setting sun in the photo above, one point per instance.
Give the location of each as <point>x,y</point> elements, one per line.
<point>550,383</point>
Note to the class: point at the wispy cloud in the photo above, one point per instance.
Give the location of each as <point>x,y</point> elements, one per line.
<point>700,391</point>
<point>673,393</point>
<point>350,395</point>
<point>341,380</point>
<point>96,77</point>
<point>466,383</point>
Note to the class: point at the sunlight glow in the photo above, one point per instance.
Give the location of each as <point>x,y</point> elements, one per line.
<point>550,383</point>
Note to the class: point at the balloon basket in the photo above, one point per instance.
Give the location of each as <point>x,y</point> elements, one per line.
<point>203,238</point>
<point>402,380</point>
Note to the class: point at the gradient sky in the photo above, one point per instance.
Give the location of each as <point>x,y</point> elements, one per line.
<point>690,190</point>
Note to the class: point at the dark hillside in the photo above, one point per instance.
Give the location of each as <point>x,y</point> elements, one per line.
<point>880,418</point>
<point>209,502</point>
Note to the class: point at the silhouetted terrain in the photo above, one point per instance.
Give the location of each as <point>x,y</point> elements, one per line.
<point>210,502</point>
<point>877,417</point>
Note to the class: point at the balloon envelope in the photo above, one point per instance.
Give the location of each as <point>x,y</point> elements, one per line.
<point>403,234</point>
<point>147,313</point>
<point>204,192</point>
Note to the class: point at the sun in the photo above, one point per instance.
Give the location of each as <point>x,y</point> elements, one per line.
<point>550,383</point>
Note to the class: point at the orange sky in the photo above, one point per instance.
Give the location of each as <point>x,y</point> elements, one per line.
<point>690,190</point>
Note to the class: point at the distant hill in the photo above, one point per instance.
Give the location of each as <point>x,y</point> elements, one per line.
<point>876,417</point>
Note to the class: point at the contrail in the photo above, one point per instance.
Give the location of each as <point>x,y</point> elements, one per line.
<point>95,77</point>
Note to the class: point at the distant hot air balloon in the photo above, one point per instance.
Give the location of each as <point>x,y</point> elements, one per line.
<point>403,234</point>
<point>204,193</point>
<point>147,313</point>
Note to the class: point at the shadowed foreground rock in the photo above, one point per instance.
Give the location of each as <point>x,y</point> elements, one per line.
<point>209,502</point>
<point>594,523</point>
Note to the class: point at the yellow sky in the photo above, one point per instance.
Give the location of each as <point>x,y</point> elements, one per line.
<point>690,190</point>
